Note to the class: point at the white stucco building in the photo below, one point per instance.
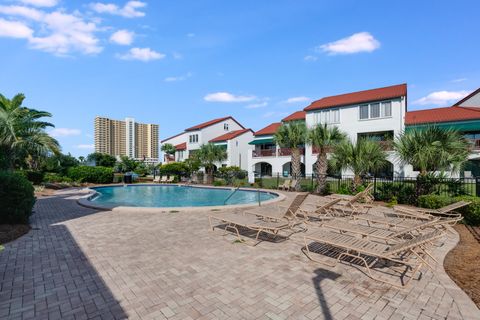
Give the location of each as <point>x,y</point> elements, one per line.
<point>377,114</point>
<point>226,132</point>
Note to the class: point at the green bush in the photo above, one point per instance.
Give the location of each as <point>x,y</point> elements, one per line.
<point>35,177</point>
<point>55,178</point>
<point>471,213</point>
<point>219,183</point>
<point>402,192</point>
<point>174,169</point>
<point>91,174</point>
<point>229,174</point>
<point>16,197</point>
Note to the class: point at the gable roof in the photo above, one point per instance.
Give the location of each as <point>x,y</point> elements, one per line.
<point>179,134</point>
<point>268,130</point>
<point>359,97</point>
<point>230,135</point>
<point>212,122</point>
<point>474,93</point>
<point>298,115</point>
<point>446,114</point>
<point>181,146</point>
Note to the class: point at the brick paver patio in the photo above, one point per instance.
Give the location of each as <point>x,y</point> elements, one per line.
<point>78,263</point>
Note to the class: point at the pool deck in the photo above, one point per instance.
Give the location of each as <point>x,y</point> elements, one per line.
<point>79,263</point>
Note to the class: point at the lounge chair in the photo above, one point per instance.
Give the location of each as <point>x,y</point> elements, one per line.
<point>234,222</point>
<point>285,186</point>
<point>320,209</point>
<point>411,253</point>
<point>170,179</point>
<point>395,221</point>
<point>276,212</point>
<point>445,214</point>
<point>352,206</point>
<point>293,184</point>
<point>156,179</point>
<point>388,235</point>
<point>164,179</point>
<point>364,195</point>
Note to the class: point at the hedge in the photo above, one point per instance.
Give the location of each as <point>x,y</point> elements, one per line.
<point>16,197</point>
<point>91,174</point>
<point>471,213</point>
<point>35,177</point>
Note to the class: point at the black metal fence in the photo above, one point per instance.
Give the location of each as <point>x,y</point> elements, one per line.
<point>383,188</point>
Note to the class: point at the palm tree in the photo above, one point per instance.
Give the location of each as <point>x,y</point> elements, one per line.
<point>293,135</point>
<point>363,157</point>
<point>168,148</point>
<point>430,150</point>
<point>323,138</point>
<point>22,134</point>
<point>208,155</point>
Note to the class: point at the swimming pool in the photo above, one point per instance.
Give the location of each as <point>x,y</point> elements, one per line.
<point>174,196</point>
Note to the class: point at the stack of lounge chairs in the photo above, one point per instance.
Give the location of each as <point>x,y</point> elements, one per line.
<point>350,229</point>
<point>164,179</point>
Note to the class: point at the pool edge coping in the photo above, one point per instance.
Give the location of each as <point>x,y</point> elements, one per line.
<point>85,202</point>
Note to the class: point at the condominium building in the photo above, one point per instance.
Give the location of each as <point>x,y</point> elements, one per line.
<point>127,138</point>
<point>225,132</point>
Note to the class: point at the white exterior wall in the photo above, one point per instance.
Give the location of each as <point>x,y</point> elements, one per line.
<point>238,154</point>
<point>351,124</point>
<point>130,138</point>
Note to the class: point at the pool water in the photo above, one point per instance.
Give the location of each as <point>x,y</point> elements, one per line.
<point>174,196</point>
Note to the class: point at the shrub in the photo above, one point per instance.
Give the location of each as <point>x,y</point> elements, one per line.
<point>35,177</point>
<point>55,177</point>
<point>17,198</point>
<point>229,174</point>
<point>218,183</point>
<point>174,169</point>
<point>402,192</point>
<point>471,213</point>
<point>91,174</point>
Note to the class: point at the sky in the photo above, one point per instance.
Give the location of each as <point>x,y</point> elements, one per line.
<point>179,63</point>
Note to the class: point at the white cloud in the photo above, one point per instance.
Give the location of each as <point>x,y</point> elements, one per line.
<point>227,97</point>
<point>14,29</point>
<point>441,97</point>
<point>57,32</point>
<point>41,3</point>
<point>142,54</point>
<point>310,58</point>
<point>122,37</point>
<point>459,80</point>
<point>86,146</point>
<point>257,105</point>
<point>191,35</point>
<point>358,42</point>
<point>130,10</point>
<point>178,78</point>
<point>25,12</point>
<point>64,132</point>
<point>297,99</point>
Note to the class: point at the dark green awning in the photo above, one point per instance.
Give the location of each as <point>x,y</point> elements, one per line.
<point>473,125</point>
<point>261,141</point>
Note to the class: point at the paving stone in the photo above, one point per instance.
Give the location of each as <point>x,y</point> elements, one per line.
<point>79,263</point>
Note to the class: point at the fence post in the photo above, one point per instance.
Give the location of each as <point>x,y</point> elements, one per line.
<point>375,187</point>
<point>477,186</point>
<point>278,179</point>
<point>312,183</point>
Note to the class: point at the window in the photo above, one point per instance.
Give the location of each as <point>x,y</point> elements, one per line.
<point>193,138</point>
<point>327,116</point>
<point>364,112</point>
<point>375,110</point>
<point>225,126</point>
<point>387,109</point>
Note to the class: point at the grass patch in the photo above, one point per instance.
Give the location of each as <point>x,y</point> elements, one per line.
<point>238,241</point>
<point>173,211</point>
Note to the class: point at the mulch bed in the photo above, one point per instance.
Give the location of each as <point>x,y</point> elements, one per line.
<point>475,232</point>
<point>461,264</point>
<point>10,232</point>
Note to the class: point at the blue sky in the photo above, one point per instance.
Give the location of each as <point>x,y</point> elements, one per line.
<point>179,63</point>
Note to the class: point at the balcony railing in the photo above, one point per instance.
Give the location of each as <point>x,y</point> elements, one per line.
<point>288,152</point>
<point>475,144</point>
<point>264,153</point>
<point>386,146</point>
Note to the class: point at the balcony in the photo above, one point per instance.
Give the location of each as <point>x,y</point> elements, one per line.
<point>264,153</point>
<point>282,152</point>
<point>475,144</point>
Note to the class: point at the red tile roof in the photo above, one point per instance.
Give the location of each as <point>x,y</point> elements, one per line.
<point>212,122</point>
<point>268,130</point>
<point>230,135</point>
<point>359,97</point>
<point>299,115</point>
<point>181,146</point>
<point>447,114</point>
